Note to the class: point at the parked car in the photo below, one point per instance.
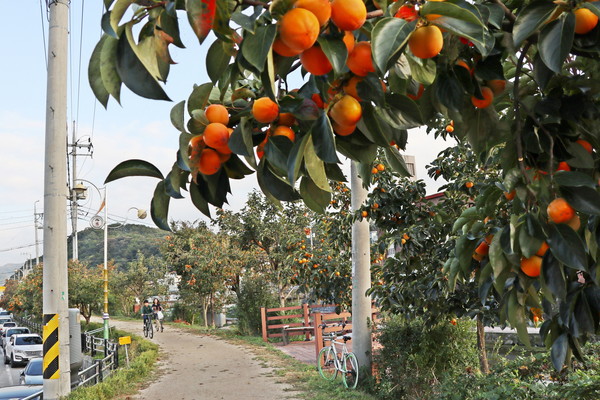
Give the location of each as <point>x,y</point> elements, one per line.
<point>23,347</point>
<point>5,319</point>
<point>5,325</point>
<point>33,372</point>
<point>17,330</point>
<point>20,392</point>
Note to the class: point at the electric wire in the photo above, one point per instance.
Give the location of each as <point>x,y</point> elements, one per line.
<point>44,33</point>
<point>80,57</point>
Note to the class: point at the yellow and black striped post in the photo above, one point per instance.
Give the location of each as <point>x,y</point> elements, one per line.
<point>51,352</point>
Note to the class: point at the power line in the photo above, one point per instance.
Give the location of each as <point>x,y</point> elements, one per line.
<point>80,52</point>
<point>18,247</point>
<point>44,32</point>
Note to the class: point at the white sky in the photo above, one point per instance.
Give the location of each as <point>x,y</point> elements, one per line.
<point>140,128</point>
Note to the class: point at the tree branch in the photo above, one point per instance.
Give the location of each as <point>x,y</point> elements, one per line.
<point>509,15</point>
<point>517,108</point>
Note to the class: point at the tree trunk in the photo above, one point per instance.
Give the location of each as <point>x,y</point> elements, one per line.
<point>205,312</point>
<point>212,311</point>
<point>483,361</point>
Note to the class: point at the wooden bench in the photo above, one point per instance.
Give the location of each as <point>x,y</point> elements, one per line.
<point>286,330</point>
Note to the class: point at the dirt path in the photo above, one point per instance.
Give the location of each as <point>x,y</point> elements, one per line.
<point>201,367</point>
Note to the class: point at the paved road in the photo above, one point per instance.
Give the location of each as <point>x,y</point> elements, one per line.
<point>8,376</point>
<point>194,367</point>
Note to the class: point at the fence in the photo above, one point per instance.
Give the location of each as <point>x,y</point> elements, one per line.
<point>272,325</point>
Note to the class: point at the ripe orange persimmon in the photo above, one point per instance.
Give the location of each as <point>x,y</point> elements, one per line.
<point>574,223</point>
<point>426,41</point>
<point>469,185</point>
<point>531,266</point>
<point>463,63</point>
<point>209,162</point>
<point>346,111</point>
<point>559,211</point>
<point>318,100</point>
<point>348,15</point>
<point>431,17</point>
<point>342,130</point>
<point>286,131</point>
<point>286,119</point>
<point>283,50</point>
<point>510,195</point>
<point>585,21</point>
<point>299,29</point>
<point>315,61</point>
<point>349,41</point>
<point>488,97</point>
<point>265,110</point>
<point>407,12</point>
<point>321,9</point>
<point>360,61</point>
<point>586,145</point>
<point>497,85</point>
<point>217,113</point>
<point>364,214</point>
<point>542,250</point>
<point>216,135</point>
<point>563,166</point>
<point>350,87</point>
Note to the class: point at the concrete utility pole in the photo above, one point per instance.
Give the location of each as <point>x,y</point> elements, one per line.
<point>57,377</point>
<point>75,239</point>
<point>361,276</point>
<point>36,227</point>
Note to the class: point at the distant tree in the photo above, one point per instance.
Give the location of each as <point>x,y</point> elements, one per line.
<point>86,290</point>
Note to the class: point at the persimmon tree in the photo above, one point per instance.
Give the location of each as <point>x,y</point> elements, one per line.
<point>519,77</point>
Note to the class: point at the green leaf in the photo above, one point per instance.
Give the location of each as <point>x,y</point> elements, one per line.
<point>296,157</point>
<point>217,59</point>
<point>108,68</point>
<point>95,75</point>
<point>530,19</point>
<point>404,111</point>
<point>314,198</point>
<point>276,151</point>
<point>323,139</point>
<point>256,47</point>
<point>201,16</point>
<point>421,70</point>
<point>274,185</point>
<point>516,316</point>
<point>236,169</point>
<point>336,52</point>
<point>460,10</point>
<point>449,91</point>
<point>553,276</point>
<point>199,97</point>
<point>177,117</point>
<point>117,12</point>
<point>558,354</point>
<point>198,199</point>
<point>499,263</point>
<point>481,37</point>
<point>315,167</point>
<point>134,74</point>
<point>267,77</point>
<point>373,126</point>
<point>133,168</point>
<point>175,180</point>
<point>240,141</point>
<point>580,158</point>
<point>169,24</point>
<point>159,207</point>
<point>243,20</point>
<point>388,37</point>
<point>567,246</point>
<point>396,161</point>
<point>574,179</point>
<point>583,199</point>
<point>556,40</point>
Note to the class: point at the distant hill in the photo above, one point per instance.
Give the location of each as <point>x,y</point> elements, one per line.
<point>124,242</point>
<point>7,270</point>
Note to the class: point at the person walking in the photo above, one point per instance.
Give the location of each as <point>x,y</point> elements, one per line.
<point>158,313</point>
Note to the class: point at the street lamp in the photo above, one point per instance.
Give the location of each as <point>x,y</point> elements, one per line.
<point>98,222</point>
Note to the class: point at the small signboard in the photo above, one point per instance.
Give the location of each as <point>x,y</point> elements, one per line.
<point>123,340</point>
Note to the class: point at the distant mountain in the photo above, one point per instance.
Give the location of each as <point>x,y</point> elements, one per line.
<point>7,270</point>
<point>124,242</point>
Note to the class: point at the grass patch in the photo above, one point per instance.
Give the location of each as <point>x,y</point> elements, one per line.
<point>305,379</point>
<point>126,380</point>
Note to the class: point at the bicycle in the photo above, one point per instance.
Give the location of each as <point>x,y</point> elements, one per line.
<point>148,330</point>
<point>330,361</point>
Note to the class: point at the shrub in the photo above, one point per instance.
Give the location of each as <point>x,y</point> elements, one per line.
<point>253,295</point>
<point>528,378</point>
<point>414,357</point>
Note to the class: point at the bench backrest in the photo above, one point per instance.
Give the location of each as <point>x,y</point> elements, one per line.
<point>274,319</point>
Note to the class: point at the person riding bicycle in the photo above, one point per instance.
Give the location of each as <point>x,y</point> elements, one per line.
<point>158,312</point>
<point>146,311</point>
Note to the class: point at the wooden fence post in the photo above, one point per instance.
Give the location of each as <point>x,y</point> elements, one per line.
<point>318,333</point>
<point>306,319</point>
<point>263,317</point>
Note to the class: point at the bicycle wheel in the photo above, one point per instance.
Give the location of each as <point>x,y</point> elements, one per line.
<point>145,329</point>
<point>326,364</point>
<point>150,330</point>
<point>350,371</point>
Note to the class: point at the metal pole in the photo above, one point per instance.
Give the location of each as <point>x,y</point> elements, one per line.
<point>361,277</point>
<point>105,316</point>
<point>74,215</point>
<point>57,377</point>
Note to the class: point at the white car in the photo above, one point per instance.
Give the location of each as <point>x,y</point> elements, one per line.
<point>6,325</point>
<point>6,334</point>
<point>23,347</point>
